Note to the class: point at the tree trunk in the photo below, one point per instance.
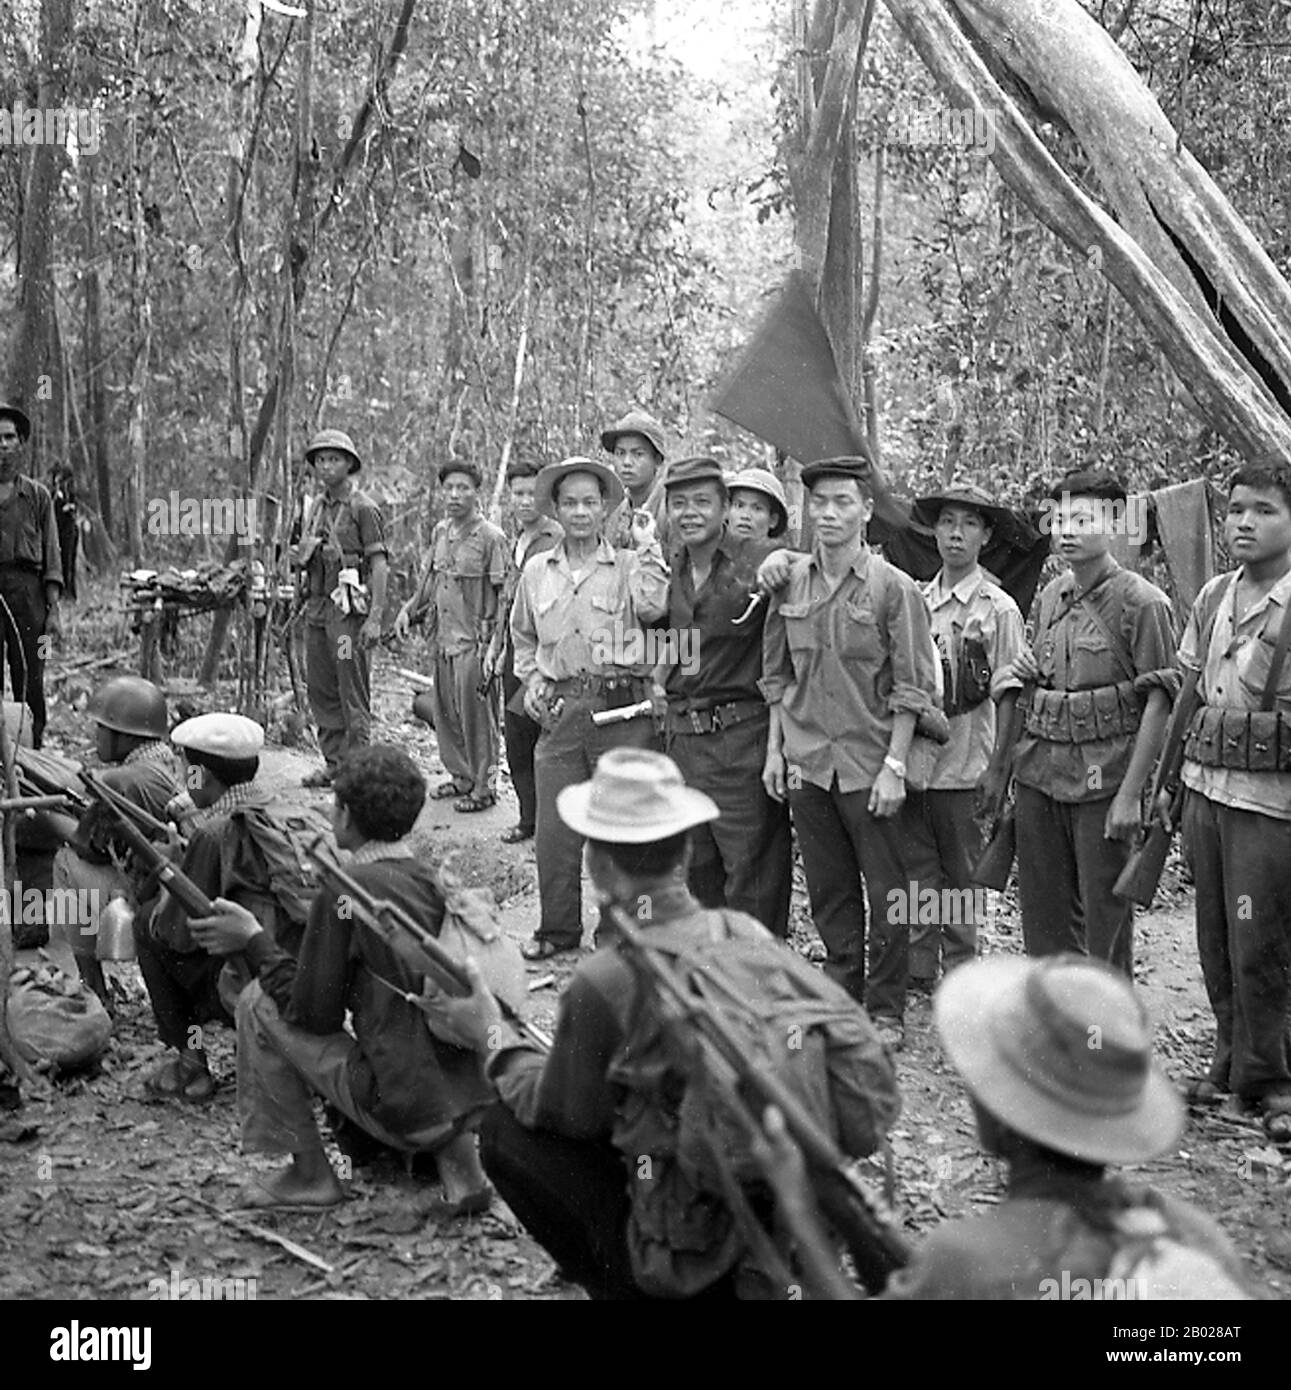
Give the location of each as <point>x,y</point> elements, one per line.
<point>141,317</point>
<point>1179,255</point>
<point>29,346</point>
<point>96,402</point>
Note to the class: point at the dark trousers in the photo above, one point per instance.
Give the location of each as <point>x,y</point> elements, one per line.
<point>745,859</point>
<point>183,988</point>
<point>521,734</point>
<point>23,591</point>
<point>1241,863</point>
<point>567,753</point>
<point>949,827</point>
<point>1066,870</point>
<point>849,856</point>
<point>571,1195</point>
<point>338,678</point>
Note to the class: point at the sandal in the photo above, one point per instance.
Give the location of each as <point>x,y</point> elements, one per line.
<point>446,791</point>
<point>517,835</point>
<point>180,1078</point>
<point>542,949</point>
<point>1275,1116</point>
<point>471,803</point>
<point>1201,1090</point>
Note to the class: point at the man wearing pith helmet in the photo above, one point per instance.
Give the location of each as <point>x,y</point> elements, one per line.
<point>343,562</point>
<point>131,724</point>
<point>638,449</point>
<point>1056,1055</point>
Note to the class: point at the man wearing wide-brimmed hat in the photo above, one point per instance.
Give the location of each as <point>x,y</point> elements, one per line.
<point>978,631</point>
<point>580,650</point>
<point>344,563</point>
<point>31,570</point>
<point>583,1144</point>
<point>1056,1055</point>
<point>638,449</point>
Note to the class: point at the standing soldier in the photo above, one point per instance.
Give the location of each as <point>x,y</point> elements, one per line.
<point>343,555</point>
<point>580,650</point>
<point>1103,667</point>
<point>717,720</point>
<point>460,590</point>
<point>1237,812</point>
<point>638,447</point>
<point>31,570</point>
<point>847,669</point>
<point>978,631</point>
<point>536,533</point>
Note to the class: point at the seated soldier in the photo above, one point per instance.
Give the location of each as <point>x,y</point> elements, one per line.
<point>131,724</point>
<point>188,987</point>
<point>581,1146</point>
<point>1056,1054</point>
<point>389,1076</point>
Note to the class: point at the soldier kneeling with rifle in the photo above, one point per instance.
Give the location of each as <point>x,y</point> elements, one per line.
<point>630,1151</point>
<point>390,1076</point>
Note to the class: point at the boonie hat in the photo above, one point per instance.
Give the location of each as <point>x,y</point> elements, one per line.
<point>334,439</point>
<point>961,493</point>
<point>636,422</point>
<point>764,481</point>
<point>221,735</point>
<point>550,474</point>
<point>635,797</point>
<point>1060,1050</point>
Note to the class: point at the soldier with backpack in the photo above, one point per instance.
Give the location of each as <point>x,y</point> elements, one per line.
<point>389,1076</point>
<point>238,847</point>
<point>1056,1054</point>
<point>607,1148</point>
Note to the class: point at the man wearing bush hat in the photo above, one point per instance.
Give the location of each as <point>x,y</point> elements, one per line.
<point>344,563</point>
<point>1056,1055</point>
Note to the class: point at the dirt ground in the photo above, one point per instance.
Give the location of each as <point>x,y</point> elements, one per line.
<point>105,1195</point>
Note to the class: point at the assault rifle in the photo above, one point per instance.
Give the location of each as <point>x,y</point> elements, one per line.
<point>393,924</point>
<point>1138,880</point>
<point>129,818</point>
<point>996,860</point>
<point>876,1246</point>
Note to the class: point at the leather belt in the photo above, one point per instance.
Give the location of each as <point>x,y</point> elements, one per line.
<point>588,684</point>
<point>715,718</point>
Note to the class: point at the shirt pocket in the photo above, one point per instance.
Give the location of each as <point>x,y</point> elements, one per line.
<point>468,562</point>
<point>799,626</point>
<point>859,635</point>
<point>1091,663</point>
<point>1253,664</point>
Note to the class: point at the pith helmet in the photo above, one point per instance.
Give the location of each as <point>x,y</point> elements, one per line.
<point>131,705</point>
<point>334,439</point>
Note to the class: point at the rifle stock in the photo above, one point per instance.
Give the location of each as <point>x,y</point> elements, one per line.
<point>995,862</point>
<point>877,1248</point>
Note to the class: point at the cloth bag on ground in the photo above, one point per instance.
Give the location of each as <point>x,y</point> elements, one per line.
<point>56,1019</point>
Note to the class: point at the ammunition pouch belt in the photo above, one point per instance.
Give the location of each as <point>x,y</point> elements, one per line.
<point>1082,716</point>
<point>1244,740</point>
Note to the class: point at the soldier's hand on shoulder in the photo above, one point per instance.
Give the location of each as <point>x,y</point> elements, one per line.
<point>773,572</point>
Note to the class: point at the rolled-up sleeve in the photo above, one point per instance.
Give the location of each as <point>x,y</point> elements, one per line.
<point>1153,646</point>
<point>648,576</point>
<point>914,675</point>
<point>777,669</point>
<point>52,554</point>
<point>1007,641</point>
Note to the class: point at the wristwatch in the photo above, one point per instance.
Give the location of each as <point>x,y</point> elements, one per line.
<point>894,767</point>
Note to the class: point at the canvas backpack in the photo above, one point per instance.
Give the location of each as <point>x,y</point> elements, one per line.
<point>283,832</point>
<point>683,1151</point>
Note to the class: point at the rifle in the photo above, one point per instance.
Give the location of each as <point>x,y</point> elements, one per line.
<point>391,923</point>
<point>182,888</point>
<point>1138,880</point>
<point>996,860</point>
<point>877,1248</point>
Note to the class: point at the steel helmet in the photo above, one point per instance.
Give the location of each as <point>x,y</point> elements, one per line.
<point>334,439</point>
<point>131,705</point>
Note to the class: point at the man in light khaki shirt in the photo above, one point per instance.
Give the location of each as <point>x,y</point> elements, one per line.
<point>1237,812</point>
<point>580,649</point>
<point>978,630</point>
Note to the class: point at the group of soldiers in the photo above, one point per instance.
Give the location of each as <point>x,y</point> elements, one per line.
<point>684,694</point>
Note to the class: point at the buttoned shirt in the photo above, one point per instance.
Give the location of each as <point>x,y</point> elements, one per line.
<point>1233,671</point>
<point>842,664</point>
<point>461,584</point>
<point>545,536</point>
<point>566,624</point>
<point>29,532</point>
<point>717,662</point>
<point>1073,653</point>
<point>974,607</point>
